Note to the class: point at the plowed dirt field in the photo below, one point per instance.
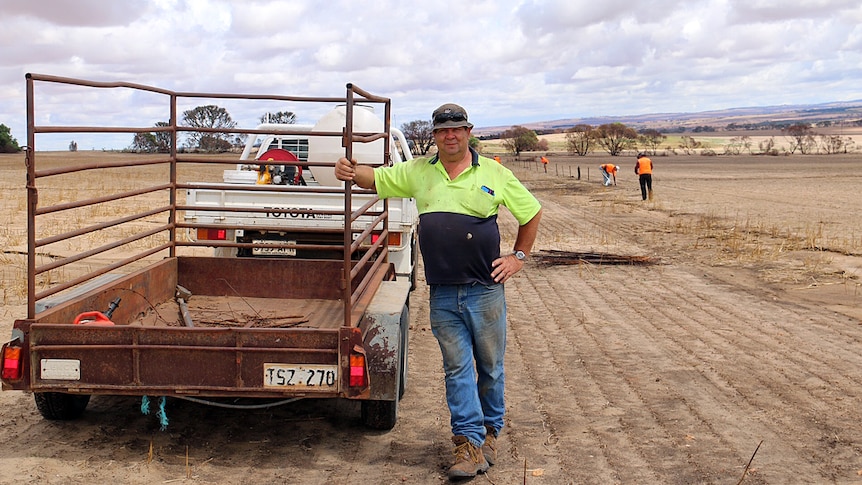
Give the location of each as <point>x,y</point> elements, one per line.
<point>734,356</point>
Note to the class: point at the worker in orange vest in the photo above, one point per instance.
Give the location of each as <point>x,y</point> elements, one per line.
<point>643,168</point>
<point>609,170</point>
<point>497,158</point>
<point>545,164</point>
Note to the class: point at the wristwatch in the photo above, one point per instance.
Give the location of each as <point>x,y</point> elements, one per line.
<point>520,255</point>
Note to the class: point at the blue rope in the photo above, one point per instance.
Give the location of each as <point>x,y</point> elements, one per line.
<point>161,414</point>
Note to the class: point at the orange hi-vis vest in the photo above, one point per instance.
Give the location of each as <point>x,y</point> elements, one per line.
<point>609,167</point>
<point>644,166</point>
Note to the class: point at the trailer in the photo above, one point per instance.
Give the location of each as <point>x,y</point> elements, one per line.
<point>133,300</point>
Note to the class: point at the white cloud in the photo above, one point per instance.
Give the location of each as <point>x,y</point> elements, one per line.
<point>507,61</point>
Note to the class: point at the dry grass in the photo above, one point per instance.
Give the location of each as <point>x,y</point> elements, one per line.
<point>786,218</point>
<point>62,189</point>
<point>741,215</point>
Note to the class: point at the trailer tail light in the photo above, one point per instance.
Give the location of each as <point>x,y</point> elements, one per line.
<point>394,238</point>
<point>11,363</point>
<point>358,374</point>
<point>212,234</point>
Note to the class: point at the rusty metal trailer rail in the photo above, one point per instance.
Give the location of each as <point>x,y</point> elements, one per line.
<point>359,277</point>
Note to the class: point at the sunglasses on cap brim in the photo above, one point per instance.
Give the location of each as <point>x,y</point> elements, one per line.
<point>445,117</point>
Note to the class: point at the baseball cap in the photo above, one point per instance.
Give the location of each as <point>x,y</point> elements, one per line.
<point>450,115</point>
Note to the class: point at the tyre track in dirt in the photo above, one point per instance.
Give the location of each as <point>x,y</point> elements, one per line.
<point>593,449</point>
<point>549,340</point>
<point>697,339</point>
<point>777,356</point>
<point>649,369</point>
<point>625,371</point>
<point>699,393</point>
<point>544,366</point>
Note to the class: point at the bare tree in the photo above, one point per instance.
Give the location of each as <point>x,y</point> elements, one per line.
<point>210,116</point>
<point>152,142</point>
<point>421,134</point>
<point>767,147</point>
<point>143,142</point>
<point>737,144</point>
<point>831,144</point>
<point>519,139</point>
<point>801,137</point>
<point>651,139</point>
<point>746,143</point>
<point>282,117</point>
<point>580,139</point>
<point>616,137</point>
<point>163,138</point>
<point>688,145</point>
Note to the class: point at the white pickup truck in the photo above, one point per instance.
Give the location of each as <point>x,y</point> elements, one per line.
<point>294,218</point>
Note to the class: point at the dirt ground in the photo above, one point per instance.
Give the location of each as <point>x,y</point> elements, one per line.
<point>735,358</point>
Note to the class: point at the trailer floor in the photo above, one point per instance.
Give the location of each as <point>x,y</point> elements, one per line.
<point>242,312</point>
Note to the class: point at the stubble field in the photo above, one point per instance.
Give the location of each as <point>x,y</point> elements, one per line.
<point>734,356</point>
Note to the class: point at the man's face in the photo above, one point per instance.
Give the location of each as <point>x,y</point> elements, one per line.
<point>452,142</point>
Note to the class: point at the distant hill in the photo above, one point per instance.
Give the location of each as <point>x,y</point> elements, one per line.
<point>757,117</point>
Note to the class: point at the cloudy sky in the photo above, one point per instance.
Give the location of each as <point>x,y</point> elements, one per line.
<point>507,61</point>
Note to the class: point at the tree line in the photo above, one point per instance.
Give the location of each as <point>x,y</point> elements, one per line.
<point>613,138</point>
<point>418,133</point>
<point>616,138</point>
<point>210,117</point>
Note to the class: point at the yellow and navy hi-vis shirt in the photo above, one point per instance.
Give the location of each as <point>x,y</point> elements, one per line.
<point>458,232</point>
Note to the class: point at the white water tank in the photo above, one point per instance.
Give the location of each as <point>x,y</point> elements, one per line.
<point>329,149</point>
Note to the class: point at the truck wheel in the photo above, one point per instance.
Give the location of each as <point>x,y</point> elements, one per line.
<point>59,406</point>
<point>405,341</point>
<point>414,255</point>
<point>379,414</point>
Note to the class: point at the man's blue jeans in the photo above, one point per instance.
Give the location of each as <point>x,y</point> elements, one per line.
<point>607,177</point>
<point>469,322</point>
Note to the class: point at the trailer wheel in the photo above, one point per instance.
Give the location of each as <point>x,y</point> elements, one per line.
<point>380,415</point>
<point>58,406</point>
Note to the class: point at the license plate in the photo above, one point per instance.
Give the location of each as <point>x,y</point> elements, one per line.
<point>60,369</point>
<point>308,377</point>
<point>267,251</point>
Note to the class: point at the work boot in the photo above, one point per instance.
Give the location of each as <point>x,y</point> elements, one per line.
<point>489,448</point>
<point>468,459</point>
